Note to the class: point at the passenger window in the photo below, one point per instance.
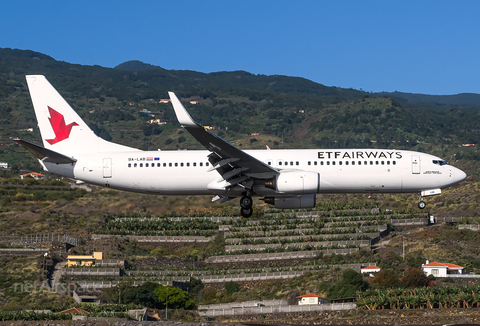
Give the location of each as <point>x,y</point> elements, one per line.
<point>176,164</point>
<point>170,164</point>
<point>333,163</point>
<point>269,163</point>
<point>383,162</point>
<point>371,162</point>
<point>340,163</point>
<point>309,163</point>
<point>201,163</point>
<point>159,165</point>
<point>206,164</point>
<point>364,162</point>
<point>129,165</point>
<point>279,163</point>
<point>376,162</point>
<point>353,162</point>
<point>394,162</point>
<point>181,164</point>
<point>328,162</point>
<point>321,163</point>
<point>297,163</point>
<point>346,163</point>
<point>388,162</point>
<point>194,164</point>
<point>314,162</point>
<point>135,165</point>
<point>359,162</point>
<point>164,164</point>
<point>141,165</point>
<point>188,164</point>
<point>146,165</point>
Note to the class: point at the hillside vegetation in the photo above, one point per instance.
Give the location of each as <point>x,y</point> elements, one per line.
<point>286,112</point>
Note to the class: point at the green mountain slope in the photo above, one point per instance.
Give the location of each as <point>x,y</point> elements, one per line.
<point>286,112</point>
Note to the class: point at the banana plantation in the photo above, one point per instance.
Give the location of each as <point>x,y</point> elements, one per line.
<point>420,298</point>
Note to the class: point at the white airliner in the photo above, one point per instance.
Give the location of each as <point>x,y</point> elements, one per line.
<point>283,178</point>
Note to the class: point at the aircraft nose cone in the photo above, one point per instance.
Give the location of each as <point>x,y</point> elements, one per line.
<point>459,175</point>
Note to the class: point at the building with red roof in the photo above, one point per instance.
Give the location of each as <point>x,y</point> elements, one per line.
<point>370,269</point>
<point>441,269</point>
<point>73,310</point>
<point>311,298</point>
<point>34,175</point>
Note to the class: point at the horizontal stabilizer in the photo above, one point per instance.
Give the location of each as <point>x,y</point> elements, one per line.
<point>45,155</point>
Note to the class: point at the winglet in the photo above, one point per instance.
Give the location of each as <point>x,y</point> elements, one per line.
<point>182,115</point>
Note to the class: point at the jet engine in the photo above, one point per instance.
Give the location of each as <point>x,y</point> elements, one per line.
<point>292,202</point>
<point>295,182</point>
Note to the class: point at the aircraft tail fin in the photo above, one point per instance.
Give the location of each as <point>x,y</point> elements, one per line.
<point>61,128</point>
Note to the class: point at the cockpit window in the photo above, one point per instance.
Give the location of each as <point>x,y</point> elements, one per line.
<point>440,162</point>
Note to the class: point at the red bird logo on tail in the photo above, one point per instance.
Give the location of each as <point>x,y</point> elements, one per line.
<point>61,130</point>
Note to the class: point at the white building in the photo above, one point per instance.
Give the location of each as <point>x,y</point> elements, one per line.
<point>34,175</point>
<point>441,269</point>
<point>311,299</point>
<point>370,269</point>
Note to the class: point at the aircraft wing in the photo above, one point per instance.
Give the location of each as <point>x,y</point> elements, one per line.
<point>234,165</point>
<point>44,154</point>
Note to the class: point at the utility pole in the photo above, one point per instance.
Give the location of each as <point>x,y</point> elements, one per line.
<point>166,305</point>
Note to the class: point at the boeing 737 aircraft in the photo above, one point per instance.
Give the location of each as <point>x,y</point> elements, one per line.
<point>283,178</point>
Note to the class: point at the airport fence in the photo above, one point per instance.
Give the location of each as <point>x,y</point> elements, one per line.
<point>22,252</point>
<point>409,221</point>
<point>277,255</point>
<point>276,309</point>
<point>90,271</point>
<point>99,285</point>
<point>259,247</point>
<point>257,303</point>
<point>172,239</point>
<point>38,239</point>
<point>473,227</point>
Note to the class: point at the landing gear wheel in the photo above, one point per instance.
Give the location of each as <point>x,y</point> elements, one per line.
<point>247,212</point>
<point>246,202</point>
<point>422,204</point>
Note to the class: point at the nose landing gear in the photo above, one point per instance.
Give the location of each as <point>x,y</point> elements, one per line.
<point>421,203</point>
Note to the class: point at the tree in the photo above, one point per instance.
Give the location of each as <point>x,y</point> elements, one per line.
<point>386,279</point>
<point>177,298</point>
<point>231,287</point>
<point>194,286</point>
<point>348,286</point>
<point>415,277</point>
<point>143,294</point>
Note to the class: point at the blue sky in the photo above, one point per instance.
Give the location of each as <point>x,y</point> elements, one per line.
<point>430,47</point>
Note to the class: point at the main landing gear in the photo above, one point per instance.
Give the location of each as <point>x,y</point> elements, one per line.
<point>246,203</point>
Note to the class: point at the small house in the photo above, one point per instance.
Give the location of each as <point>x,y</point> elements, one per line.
<point>311,298</point>
<point>34,175</point>
<point>370,269</point>
<point>84,260</point>
<point>441,269</point>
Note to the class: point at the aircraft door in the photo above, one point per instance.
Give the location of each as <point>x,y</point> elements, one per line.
<point>107,167</point>
<point>415,164</point>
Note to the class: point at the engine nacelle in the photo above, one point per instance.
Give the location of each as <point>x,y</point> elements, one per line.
<point>292,202</point>
<point>295,182</point>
